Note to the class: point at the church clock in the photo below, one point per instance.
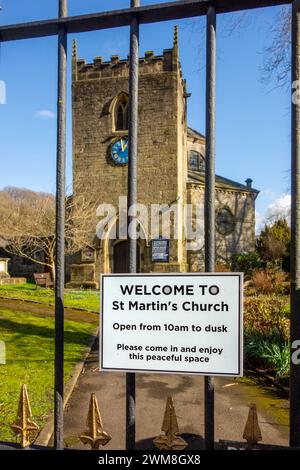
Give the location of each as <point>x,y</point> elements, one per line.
<point>119,151</point>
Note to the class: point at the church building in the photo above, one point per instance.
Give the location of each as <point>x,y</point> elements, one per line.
<point>171,169</point>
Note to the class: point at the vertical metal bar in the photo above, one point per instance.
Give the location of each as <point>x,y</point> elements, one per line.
<point>60,231</point>
<point>210,195</point>
<point>132,200</point>
<point>295,229</point>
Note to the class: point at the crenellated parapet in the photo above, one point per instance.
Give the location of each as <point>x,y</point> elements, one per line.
<point>117,67</point>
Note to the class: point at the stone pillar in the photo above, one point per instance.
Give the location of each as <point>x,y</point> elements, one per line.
<point>4,268</point>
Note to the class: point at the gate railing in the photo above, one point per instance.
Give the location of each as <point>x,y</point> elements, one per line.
<point>133,17</point>
<point>94,435</point>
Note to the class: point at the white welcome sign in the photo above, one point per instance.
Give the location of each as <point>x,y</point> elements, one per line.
<point>181,323</point>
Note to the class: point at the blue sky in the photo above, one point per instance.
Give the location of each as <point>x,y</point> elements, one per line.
<point>253,121</point>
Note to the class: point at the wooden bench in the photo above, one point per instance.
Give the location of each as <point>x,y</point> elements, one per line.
<point>43,280</point>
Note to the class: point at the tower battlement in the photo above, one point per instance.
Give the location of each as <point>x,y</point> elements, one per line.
<point>117,67</point>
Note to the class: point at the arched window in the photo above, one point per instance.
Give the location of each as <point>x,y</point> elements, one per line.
<point>196,161</point>
<point>121,113</point>
<point>225,222</point>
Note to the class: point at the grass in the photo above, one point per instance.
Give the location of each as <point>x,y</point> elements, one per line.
<point>86,299</point>
<point>29,342</point>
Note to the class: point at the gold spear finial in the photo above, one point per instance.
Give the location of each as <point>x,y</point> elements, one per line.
<point>170,441</point>
<point>74,49</point>
<point>94,435</point>
<point>252,432</point>
<point>175,41</point>
<point>24,426</point>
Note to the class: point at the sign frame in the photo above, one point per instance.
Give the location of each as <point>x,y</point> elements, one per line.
<point>240,276</point>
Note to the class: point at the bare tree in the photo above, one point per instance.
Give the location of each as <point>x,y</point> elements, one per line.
<point>276,65</point>
<point>27,223</point>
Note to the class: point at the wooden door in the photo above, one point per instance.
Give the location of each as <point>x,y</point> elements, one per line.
<point>121,257</point>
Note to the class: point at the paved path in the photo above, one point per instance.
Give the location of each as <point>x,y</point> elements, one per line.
<point>232,400</point>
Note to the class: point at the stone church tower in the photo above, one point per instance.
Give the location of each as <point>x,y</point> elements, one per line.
<point>100,130</point>
<point>100,97</point>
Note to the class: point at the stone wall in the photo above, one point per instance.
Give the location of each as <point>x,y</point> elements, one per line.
<point>242,239</point>
<point>21,267</point>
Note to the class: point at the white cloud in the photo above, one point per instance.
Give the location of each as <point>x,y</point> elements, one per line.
<point>259,222</point>
<point>280,208</point>
<point>45,113</point>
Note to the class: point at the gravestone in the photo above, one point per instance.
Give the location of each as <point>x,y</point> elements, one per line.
<point>4,268</point>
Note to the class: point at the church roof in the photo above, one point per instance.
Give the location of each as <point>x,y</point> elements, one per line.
<point>194,134</point>
<point>198,177</point>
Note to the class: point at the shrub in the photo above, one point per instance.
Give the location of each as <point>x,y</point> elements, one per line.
<point>267,281</point>
<point>281,282</point>
<point>246,262</point>
<point>266,314</point>
<point>271,351</point>
<point>273,244</point>
<point>222,267</point>
<point>262,282</point>
<point>277,355</point>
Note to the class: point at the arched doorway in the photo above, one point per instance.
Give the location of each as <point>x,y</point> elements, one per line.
<point>120,257</point>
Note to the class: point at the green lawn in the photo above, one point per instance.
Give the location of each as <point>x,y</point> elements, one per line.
<point>87,299</point>
<point>29,341</point>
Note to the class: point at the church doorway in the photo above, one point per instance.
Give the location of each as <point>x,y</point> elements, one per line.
<point>120,257</point>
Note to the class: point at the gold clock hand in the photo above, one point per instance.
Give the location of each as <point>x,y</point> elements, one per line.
<point>122,148</point>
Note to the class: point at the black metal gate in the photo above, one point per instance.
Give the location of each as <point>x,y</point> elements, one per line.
<point>133,17</point>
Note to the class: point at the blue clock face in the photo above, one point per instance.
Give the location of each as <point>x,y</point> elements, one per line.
<point>119,151</point>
